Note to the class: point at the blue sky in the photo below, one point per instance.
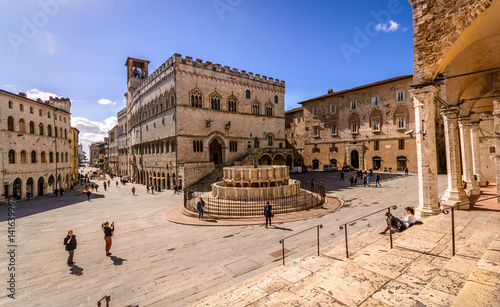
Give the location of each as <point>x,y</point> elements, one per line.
<point>77,48</point>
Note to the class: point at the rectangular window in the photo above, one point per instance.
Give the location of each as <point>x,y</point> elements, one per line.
<point>375,101</point>
<point>401,144</point>
<point>315,149</point>
<point>492,149</point>
<point>376,145</point>
<point>401,121</point>
<point>332,109</point>
<point>376,124</point>
<point>316,131</point>
<point>353,105</point>
<point>233,146</point>
<point>334,130</point>
<point>315,112</point>
<point>354,127</point>
<point>400,96</point>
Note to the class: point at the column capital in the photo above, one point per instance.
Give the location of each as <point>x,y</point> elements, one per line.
<point>414,91</point>
<point>464,120</point>
<point>450,111</point>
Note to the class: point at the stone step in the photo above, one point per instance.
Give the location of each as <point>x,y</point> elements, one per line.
<point>419,270</point>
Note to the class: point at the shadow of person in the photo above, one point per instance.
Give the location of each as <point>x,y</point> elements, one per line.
<point>117,260</point>
<point>76,270</point>
<point>281,228</point>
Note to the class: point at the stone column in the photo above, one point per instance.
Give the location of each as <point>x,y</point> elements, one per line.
<point>476,157</point>
<point>496,114</point>
<point>454,194</point>
<point>425,131</point>
<point>466,148</point>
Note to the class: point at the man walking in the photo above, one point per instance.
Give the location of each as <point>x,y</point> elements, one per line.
<point>56,191</point>
<point>88,195</point>
<point>70,242</point>
<point>200,206</point>
<point>267,213</point>
<point>377,181</point>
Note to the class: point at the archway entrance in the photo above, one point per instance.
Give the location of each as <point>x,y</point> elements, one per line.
<point>16,188</point>
<point>401,163</point>
<point>216,152</point>
<point>315,164</point>
<point>29,186</point>
<point>355,159</point>
<point>377,162</point>
<point>265,160</point>
<point>40,186</point>
<point>279,160</point>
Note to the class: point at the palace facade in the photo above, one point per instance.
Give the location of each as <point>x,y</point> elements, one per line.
<point>35,145</point>
<point>191,116</point>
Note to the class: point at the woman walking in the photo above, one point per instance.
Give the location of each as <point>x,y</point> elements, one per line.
<point>108,234</point>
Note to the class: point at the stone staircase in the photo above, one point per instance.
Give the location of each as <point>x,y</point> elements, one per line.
<point>212,176</point>
<point>419,271</point>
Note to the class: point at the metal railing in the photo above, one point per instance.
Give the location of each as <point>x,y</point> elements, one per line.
<point>107,298</point>
<point>282,241</point>
<point>344,226</point>
<point>452,209</point>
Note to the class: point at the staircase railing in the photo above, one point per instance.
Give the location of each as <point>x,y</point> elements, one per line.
<point>282,241</point>
<point>447,210</point>
<point>107,298</point>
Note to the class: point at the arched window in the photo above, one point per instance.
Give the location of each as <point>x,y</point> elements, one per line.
<point>256,108</point>
<point>57,157</point>
<point>66,157</point>
<point>55,130</point>
<point>12,156</point>
<point>21,107</point>
<point>23,157</point>
<point>11,104</point>
<point>60,132</point>
<point>43,158</point>
<point>49,130</point>
<point>269,110</point>
<point>51,157</point>
<point>231,104</point>
<point>31,110</point>
<point>196,99</point>
<point>270,141</point>
<point>22,126</point>
<point>10,123</point>
<point>247,94</point>
<point>275,99</point>
<point>215,101</point>
<point>32,127</point>
<point>65,134</point>
<point>33,156</point>
<point>40,112</point>
<point>40,129</point>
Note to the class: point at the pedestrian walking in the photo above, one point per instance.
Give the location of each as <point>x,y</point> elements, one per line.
<point>61,191</point>
<point>133,191</point>
<point>364,180</point>
<point>175,189</point>
<point>108,234</point>
<point>104,184</point>
<point>70,246</point>
<point>147,188</point>
<point>406,171</point>
<point>116,183</point>
<point>28,195</point>
<point>355,181</point>
<point>268,213</point>
<point>377,181</point>
<point>88,195</point>
<point>56,192</point>
<point>368,180</point>
<point>351,180</point>
<point>200,206</point>
<point>153,190</point>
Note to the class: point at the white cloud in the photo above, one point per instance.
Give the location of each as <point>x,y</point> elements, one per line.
<point>36,93</point>
<point>104,101</point>
<point>391,27</point>
<point>93,131</point>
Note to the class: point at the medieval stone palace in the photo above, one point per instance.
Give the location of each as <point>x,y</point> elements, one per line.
<point>190,116</point>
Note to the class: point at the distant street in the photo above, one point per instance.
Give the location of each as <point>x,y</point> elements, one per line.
<point>158,263</point>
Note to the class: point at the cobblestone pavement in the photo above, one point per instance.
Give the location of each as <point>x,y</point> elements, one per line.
<point>159,263</point>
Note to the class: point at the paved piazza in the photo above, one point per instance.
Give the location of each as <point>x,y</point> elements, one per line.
<point>158,263</point>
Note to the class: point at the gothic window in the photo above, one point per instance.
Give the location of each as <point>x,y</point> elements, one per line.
<point>23,157</point>
<point>40,129</point>
<point>12,156</point>
<point>43,158</point>
<point>32,127</point>
<point>215,101</point>
<point>57,157</point>
<point>196,99</point>
<point>270,141</point>
<point>269,110</point>
<point>66,157</point>
<point>49,130</point>
<point>51,157</point>
<point>256,108</point>
<point>375,123</point>
<point>65,134</point>
<point>354,126</point>
<point>60,132</point>
<point>56,133</point>
<point>33,156</point>
<point>231,104</point>
<point>247,94</point>
<point>22,126</point>
<point>10,123</point>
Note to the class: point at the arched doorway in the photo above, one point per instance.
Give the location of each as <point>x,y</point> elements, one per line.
<point>29,186</point>
<point>315,164</point>
<point>265,160</point>
<point>41,181</point>
<point>401,163</point>
<point>279,160</point>
<point>51,183</point>
<point>289,160</point>
<point>355,159</point>
<point>16,188</point>
<point>215,152</point>
<point>377,162</point>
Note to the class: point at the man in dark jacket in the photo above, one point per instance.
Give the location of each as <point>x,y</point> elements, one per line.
<point>268,213</point>
<point>70,242</point>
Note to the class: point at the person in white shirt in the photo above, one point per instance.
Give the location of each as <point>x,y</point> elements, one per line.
<point>409,217</point>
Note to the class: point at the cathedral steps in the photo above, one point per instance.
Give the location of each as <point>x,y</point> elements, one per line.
<point>419,271</point>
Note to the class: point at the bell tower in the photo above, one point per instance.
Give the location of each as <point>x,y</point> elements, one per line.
<point>137,71</point>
